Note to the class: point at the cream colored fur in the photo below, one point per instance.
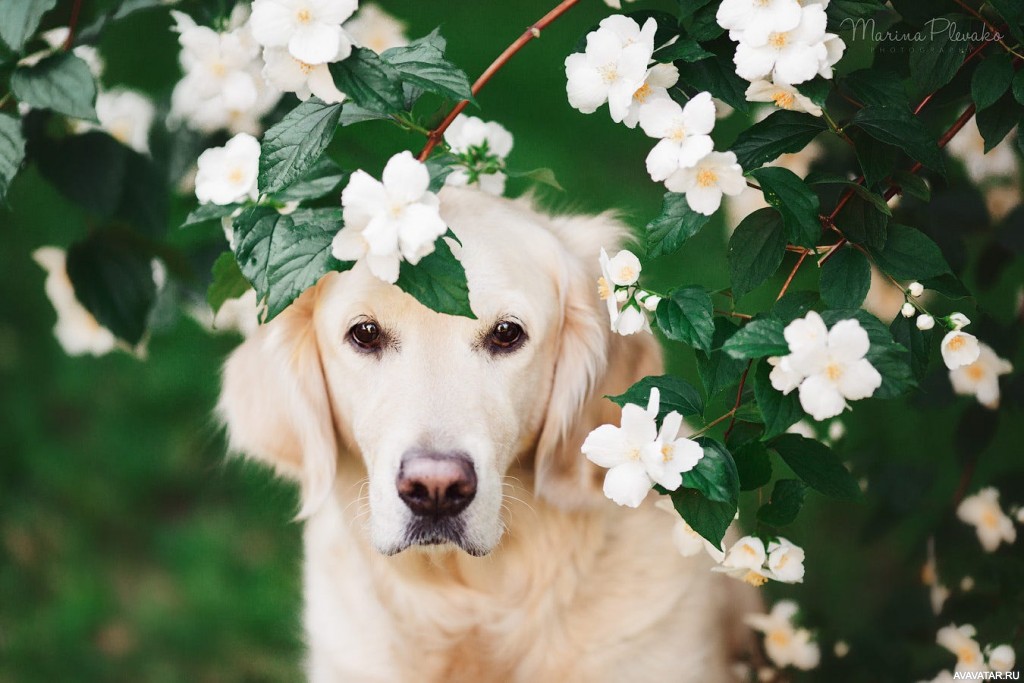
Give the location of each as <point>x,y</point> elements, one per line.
<point>572,587</point>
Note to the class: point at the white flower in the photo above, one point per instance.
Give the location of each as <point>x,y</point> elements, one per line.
<point>127,116</point>
<point>288,74</point>
<point>660,78</point>
<point>782,96</point>
<point>982,510</point>
<point>981,378</point>
<point>960,641</point>
<point>228,174</point>
<point>958,321</point>
<point>77,331</point>
<point>959,349</point>
<point>615,287</point>
<point>785,644</point>
<point>745,561</point>
<point>683,133</point>
<point>310,29</point>
<point>482,145</point>
<point>638,456</point>
<point>787,56</point>
<point>832,363</point>
<point>1001,658</point>
<point>925,322</point>
<point>755,20</point>
<point>687,541</point>
<point>915,289</point>
<point>786,561</point>
<point>705,183</point>
<point>613,67</point>
<point>389,220</point>
<point>374,28</point>
<point>908,310</point>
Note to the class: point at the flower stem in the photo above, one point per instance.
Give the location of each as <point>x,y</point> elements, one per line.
<point>434,136</point>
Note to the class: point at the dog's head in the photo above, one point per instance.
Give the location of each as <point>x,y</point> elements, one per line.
<point>435,408</point>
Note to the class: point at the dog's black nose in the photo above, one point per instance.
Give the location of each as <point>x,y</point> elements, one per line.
<point>436,484</point>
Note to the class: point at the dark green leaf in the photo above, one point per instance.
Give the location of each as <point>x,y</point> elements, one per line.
<point>369,81</point>
<point>997,121</point>
<point>753,465</point>
<point>676,224</point>
<point>291,148</point>
<point>817,466</point>
<point>208,212</point>
<point>906,334</point>
<point>710,518</point>
<point>991,79</point>
<point>675,394</point>
<point>438,281</point>
<point>685,315</point>
<point>228,282</point>
<point>423,65</point>
<point>898,127</point>
<point>798,205</point>
<point>12,151</point>
<point>758,338</point>
<point>937,57</point>
<point>779,411</point>
<point>20,18</point>
<point>61,82</point>
<point>324,178</point>
<point>780,133</point>
<point>756,250</point>
<point>114,281</point>
<point>787,499</point>
<point>909,254</point>
<point>717,369</point>
<point>845,278</point>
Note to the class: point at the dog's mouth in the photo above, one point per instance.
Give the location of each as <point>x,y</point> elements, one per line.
<point>436,531</point>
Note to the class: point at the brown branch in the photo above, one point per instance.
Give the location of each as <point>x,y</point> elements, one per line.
<point>532,32</point>
<point>72,25</point>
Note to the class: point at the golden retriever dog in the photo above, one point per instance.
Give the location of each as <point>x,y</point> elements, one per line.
<point>453,529</point>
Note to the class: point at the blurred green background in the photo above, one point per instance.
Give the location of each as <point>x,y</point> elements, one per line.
<point>131,548</point>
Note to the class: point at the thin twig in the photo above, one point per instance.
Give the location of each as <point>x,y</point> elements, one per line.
<point>532,32</point>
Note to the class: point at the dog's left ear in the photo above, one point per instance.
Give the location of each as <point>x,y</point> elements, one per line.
<point>592,362</point>
<point>275,405</point>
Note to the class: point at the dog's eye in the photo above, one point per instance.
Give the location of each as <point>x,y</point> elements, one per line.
<point>365,335</point>
<point>506,335</point>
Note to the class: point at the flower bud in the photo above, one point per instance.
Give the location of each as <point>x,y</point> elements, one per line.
<point>908,310</point>
<point>925,322</point>
<point>916,289</point>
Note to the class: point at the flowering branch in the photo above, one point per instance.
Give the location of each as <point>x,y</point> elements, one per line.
<point>529,34</point>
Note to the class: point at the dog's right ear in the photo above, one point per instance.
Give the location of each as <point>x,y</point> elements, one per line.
<point>275,405</point>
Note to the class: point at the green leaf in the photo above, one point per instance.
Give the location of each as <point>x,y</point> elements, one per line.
<point>683,50</point>
<point>675,394</point>
<point>423,65</point>
<point>915,341</point>
<point>208,212</point>
<point>909,254</point>
<point>798,205</point>
<point>685,315</point>
<point>991,79</point>
<point>369,81</point>
<point>113,280</point>
<point>324,178</point>
<point>779,411</point>
<point>291,147</point>
<point>676,224</point>
<point>900,128</point>
<point>438,281</point>
<point>709,518</point>
<point>845,278</point>
<point>781,133</point>
<point>938,54</point>
<point>20,18</point>
<point>542,176</point>
<point>758,338</point>
<point>912,185</point>
<point>12,151</point>
<point>996,122</point>
<point>61,82</point>
<point>717,369</point>
<point>753,465</point>
<point>817,466</point>
<point>228,281</point>
<point>756,250</point>
<point>787,499</point>
<point>282,256</point>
